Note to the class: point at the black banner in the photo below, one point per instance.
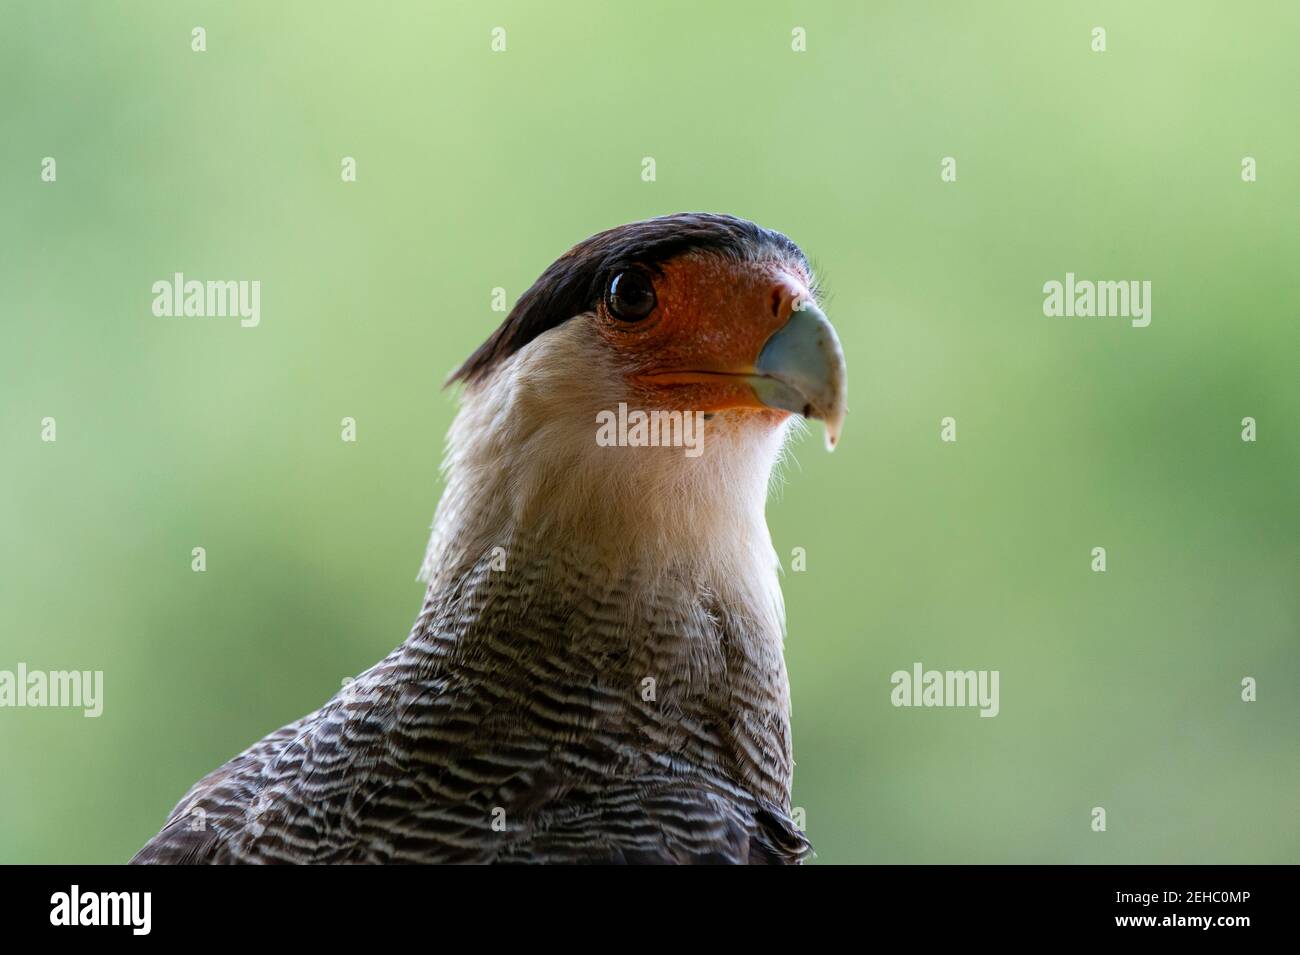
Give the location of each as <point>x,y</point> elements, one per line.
<point>1170,905</point>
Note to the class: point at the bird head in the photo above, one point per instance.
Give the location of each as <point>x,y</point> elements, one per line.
<point>693,314</point>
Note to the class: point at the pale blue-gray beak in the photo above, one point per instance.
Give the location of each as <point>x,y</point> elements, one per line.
<point>801,369</point>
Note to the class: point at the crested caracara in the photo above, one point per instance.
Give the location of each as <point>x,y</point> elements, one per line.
<point>596,674</point>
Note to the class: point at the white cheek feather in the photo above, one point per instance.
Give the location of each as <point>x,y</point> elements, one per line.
<point>522,453</point>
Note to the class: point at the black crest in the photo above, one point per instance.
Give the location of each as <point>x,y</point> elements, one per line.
<point>575,282</point>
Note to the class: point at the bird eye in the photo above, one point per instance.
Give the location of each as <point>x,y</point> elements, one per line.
<point>631,296</point>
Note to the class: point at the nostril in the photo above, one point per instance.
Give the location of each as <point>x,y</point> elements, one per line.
<point>777,296</point>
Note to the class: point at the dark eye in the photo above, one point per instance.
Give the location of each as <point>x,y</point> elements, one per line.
<point>631,296</point>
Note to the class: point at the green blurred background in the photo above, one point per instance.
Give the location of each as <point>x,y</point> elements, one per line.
<point>475,170</point>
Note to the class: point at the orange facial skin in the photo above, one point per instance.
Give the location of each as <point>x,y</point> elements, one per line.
<point>712,319</point>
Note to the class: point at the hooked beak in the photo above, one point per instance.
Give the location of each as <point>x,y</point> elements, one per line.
<point>801,369</point>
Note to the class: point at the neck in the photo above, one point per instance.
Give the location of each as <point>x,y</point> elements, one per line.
<point>610,567</point>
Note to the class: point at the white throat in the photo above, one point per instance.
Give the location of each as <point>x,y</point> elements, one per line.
<point>525,477</point>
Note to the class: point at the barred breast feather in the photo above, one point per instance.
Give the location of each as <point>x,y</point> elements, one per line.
<point>513,725</point>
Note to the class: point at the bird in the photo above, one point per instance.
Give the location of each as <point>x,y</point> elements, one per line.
<point>596,674</point>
